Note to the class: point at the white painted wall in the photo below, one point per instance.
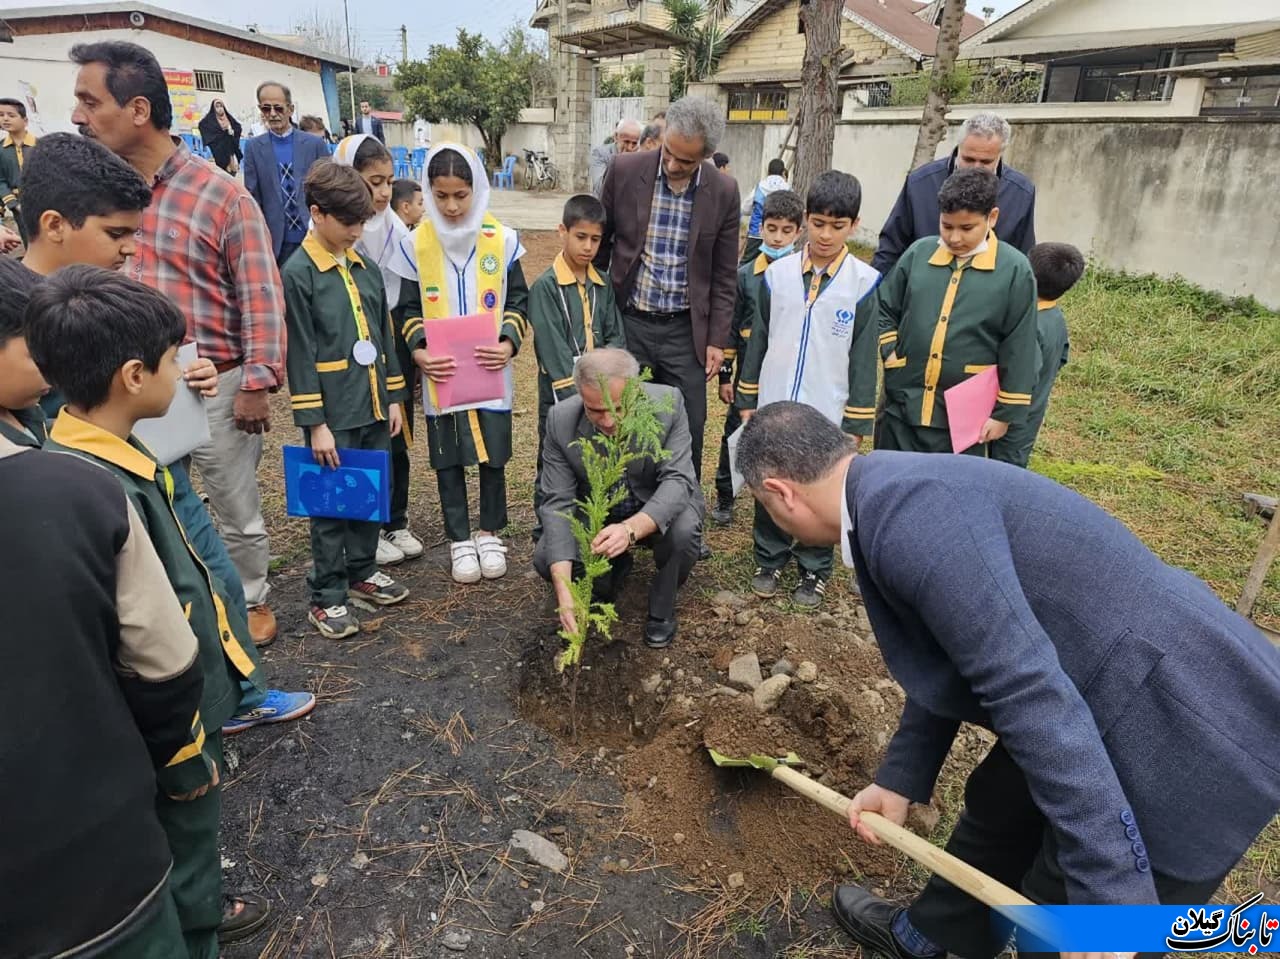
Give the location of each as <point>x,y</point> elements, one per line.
<point>1113,16</point>
<point>42,62</point>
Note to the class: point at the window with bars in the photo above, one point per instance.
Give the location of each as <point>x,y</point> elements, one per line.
<point>768,103</point>
<point>210,80</point>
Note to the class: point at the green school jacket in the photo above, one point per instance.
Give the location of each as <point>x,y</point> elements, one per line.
<point>560,334</point>
<point>34,429</point>
<point>859,415</point>
<point>1051,337</point>
<point>326,384</point>
<point>11,163</point>
<point>944,321</point>
<point>750,279</point>
<point>220,630</point>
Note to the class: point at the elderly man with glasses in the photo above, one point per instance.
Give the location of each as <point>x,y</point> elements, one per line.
<point>275,164</point>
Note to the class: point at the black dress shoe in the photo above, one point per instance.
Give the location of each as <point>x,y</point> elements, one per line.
<point>704,551</point>
<point>722,515</point>
<point>243,914</point>
<point>658,633</point>
<point>869,920</point>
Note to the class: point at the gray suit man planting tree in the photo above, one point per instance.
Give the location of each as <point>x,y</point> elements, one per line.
<point>661,510</point>
<point>1139,742</point>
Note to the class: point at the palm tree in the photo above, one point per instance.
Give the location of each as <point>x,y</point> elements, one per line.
<point>698,25</point>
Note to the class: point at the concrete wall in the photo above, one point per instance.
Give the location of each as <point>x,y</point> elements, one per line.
<point>1188,196</point>
<point>42,61</point>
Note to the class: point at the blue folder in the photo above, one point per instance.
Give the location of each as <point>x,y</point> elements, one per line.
<point>359,489</point>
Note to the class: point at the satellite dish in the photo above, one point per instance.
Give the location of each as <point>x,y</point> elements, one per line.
<point>137,19</point>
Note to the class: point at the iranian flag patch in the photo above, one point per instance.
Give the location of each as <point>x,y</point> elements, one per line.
<point>432,293</point>
<point>488,232</point>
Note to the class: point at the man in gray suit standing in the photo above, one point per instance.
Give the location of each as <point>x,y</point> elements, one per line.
<point>662,509</point>
<point>1139,741</point>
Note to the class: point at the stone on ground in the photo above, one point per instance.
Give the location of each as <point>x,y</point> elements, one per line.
<point>744,671</point>
<point>807,672</point>
<point>770,691</point>
<point>538,850</point>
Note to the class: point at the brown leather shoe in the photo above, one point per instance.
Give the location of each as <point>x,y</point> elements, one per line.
<point>262,626</point>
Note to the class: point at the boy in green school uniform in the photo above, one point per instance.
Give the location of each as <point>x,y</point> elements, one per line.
<point>344,382</point>
<point>571,310</point>
<point>782,216</point>
<point>955,305</point>
<point>110,346</point>
<point>1058,267</point>
<point>22,421</point>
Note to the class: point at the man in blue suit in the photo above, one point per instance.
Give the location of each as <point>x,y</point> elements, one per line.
<point>1139,741</point>
<point>368,123</point>
<point>275,165</point>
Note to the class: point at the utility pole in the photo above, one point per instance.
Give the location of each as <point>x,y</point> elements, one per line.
<point>351,68</point>
<point>404,44</point>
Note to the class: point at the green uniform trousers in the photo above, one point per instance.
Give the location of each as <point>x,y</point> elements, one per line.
<point>345,551</point>
<point>195,883</point>
<point>157,937</point>
<point>452,484</point>
<point>893,433</point>
<point>774,548</point>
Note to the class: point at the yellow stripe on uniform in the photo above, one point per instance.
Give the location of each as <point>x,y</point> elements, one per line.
<point>1014,399</point>
<point>751,389</point>
<point>477,437</point>
<point>562,384</point>
<point>306,397</point>
<point>331,366</point>
<point>395,382</point>
<point>933,368</point>
<point>888,337</point>
<point>193,748</point>
<point>860,412</point>
<point>309,405</point>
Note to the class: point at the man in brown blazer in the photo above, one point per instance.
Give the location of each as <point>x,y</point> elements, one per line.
<point>671,248</point>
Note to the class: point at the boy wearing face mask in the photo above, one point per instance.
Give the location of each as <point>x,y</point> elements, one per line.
<point>953,306</point>
<point>782,216</point>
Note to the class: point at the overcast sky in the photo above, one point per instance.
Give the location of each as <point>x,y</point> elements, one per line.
<point>376,23</point>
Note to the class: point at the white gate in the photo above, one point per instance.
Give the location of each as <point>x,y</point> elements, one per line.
<point>607,111</point>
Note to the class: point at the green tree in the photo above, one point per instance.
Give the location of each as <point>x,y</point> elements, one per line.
<point>472,82</point>
<point>529,53</point>
<point>625,83</point>
<point>698,25</point>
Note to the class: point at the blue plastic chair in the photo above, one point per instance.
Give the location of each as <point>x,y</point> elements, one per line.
<point>418,162</point>
<point>332,148</point>
<point>190,140</point>
<point>506,175</point>
<point>400,157</point>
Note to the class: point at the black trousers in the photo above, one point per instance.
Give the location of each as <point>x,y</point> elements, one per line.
<point>895,433</point>
<point>452,484</point>
<point>1002,832</point>
<point>666,348</point>
<point>724,477</point>
<point>400,445</point>
<point>675,553</point>
<point>774,548</point>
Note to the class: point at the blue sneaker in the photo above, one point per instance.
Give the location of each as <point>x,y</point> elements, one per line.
<point>278,707</point>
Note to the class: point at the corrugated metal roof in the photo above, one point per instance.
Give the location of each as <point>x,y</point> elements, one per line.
<point>147,10</point>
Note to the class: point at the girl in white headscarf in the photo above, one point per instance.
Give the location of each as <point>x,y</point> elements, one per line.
<point>380,244</point>
<point>463,261</point>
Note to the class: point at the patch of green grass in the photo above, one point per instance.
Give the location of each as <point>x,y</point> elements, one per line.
<point>1168,411</point>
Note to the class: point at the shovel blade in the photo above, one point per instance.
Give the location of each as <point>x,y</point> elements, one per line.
<point>765,763</point>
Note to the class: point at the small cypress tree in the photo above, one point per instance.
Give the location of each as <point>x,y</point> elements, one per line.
<point>637,436</point>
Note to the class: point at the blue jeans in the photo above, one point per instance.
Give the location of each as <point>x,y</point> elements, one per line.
<point>213,553</point>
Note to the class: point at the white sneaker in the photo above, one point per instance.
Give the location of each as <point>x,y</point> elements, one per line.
<point>466,562</point>
<point>406,542</point>
<point>493,556</point>
<point>388,552</point>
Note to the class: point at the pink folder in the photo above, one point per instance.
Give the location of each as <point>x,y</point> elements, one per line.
<point>969,406</point>
<point>471,385</point>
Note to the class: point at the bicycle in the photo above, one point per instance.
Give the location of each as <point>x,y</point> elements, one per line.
<point>539,172</point>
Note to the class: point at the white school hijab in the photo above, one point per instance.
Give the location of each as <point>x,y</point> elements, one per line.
<point>458,239</point>
<point>383,234</point>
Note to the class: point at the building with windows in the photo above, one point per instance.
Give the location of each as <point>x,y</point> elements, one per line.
<point>758,76</point>
<point>203,61</point>
<point>1117,51</point>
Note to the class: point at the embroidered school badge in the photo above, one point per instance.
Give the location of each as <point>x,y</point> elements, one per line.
<point>432,294</point>
<point>490,299</point>
<point>489,264</point>
<point>843,323</point>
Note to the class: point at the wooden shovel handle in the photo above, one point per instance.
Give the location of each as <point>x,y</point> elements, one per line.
<point>956,871</point>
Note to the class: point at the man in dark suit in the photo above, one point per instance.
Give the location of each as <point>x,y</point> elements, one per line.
<point>983,139</point>
<point>368,123</point>
<point>1139,741</point>
<point>662,508</point>
<point>275,164</point>
<point>671,248</point>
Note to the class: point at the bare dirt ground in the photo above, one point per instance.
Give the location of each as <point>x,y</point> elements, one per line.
<point>379,826</point>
